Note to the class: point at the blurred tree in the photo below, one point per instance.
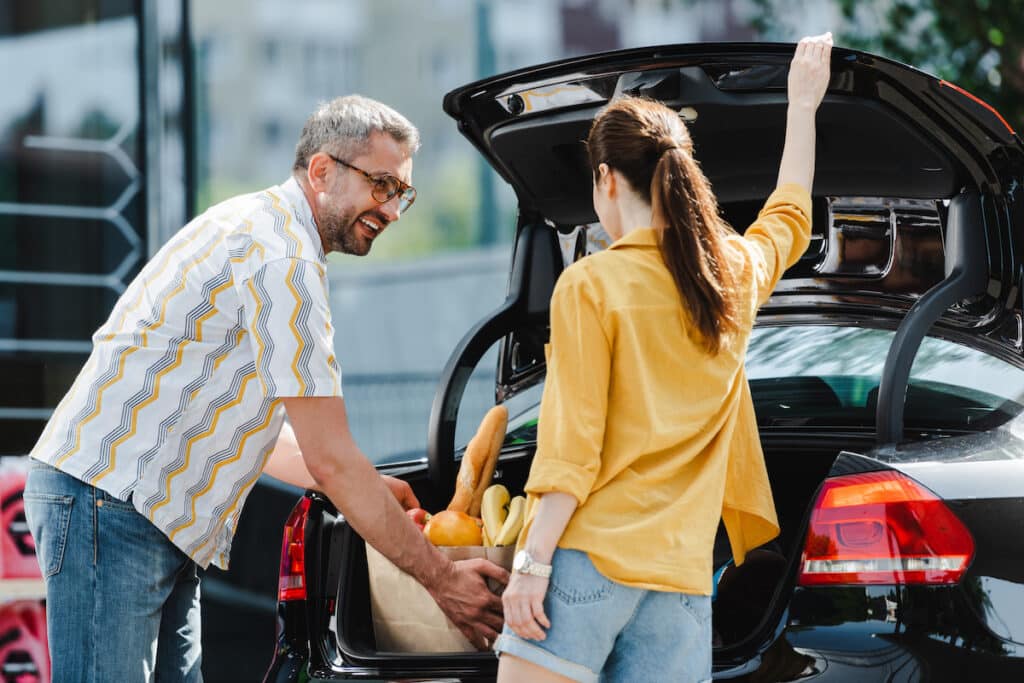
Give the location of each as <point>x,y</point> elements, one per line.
<point>977,44</point>
<point>96,124</point>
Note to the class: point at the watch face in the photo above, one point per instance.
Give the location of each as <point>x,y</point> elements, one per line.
<point>520,560</point>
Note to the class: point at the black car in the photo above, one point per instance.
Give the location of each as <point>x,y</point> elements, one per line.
<point>887,371</point>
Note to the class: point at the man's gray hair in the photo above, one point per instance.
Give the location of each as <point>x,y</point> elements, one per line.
<point>343,127</point>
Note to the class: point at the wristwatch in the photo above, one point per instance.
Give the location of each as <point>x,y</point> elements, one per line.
<point>523,563</point>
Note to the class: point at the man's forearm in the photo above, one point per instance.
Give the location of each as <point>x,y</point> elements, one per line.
<point>358,491</point>
<point>341,471</point>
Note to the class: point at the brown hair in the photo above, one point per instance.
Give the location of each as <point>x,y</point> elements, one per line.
<point>650,146</point>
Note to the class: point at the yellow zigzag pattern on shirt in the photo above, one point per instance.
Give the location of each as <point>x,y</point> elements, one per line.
<point>198,437</point>
<point>234,504</point>
<point>299,340</point>
<point>255,331</point>
<point>124,355</point>
<point>276,205</point>
<point>213,475</point>
<point>177,360</point>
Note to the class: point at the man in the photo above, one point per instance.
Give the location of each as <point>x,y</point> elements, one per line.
<point>146,463</point>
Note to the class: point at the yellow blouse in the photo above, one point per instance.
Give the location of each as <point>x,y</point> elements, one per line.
<point>655,437</point>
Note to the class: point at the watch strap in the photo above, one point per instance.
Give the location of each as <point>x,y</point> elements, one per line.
<point>530,566</point>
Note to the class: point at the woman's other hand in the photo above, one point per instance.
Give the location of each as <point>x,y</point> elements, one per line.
<point>523,601</point>
<point>809,71</point>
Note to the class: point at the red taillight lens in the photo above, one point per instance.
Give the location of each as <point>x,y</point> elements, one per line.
<point>883,527</point>
<point>292,582</point>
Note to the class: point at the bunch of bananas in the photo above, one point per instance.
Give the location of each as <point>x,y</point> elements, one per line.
<point>502,515</point>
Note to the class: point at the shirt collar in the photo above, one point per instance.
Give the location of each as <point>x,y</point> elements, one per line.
<point>293,193</point>
<point>640,237</point>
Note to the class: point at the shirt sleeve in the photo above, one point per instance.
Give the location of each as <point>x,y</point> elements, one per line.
<point>289,325</point>
<point>780,235</point>
<point>574,406</point>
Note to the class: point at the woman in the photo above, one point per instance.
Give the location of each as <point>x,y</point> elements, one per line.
<point>647,434</point>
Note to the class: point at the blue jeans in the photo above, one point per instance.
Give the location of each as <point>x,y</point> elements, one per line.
<point>605,631</point>
<point>122,602</point>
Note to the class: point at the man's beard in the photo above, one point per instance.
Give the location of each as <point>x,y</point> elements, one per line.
<point>340,233</point>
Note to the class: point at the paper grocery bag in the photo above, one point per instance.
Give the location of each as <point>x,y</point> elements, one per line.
<point>405,617</point>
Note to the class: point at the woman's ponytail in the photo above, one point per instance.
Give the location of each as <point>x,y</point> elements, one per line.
<point>691,245</point>
<point>649,144</point>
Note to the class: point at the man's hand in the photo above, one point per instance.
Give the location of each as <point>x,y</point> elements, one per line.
<point>402,491</point>
<point>462,594</point>
<point>359,492</point>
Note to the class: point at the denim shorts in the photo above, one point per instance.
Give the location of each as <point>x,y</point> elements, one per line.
<point>605,631</point>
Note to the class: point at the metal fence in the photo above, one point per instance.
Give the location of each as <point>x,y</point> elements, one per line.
<point>389,414</point>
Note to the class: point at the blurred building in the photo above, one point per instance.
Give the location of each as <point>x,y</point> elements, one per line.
<point>262,65</point>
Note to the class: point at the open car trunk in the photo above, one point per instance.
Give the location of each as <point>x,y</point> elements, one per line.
<point>745,614</point>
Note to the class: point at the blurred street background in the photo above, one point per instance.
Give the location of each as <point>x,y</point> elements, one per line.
<point>121,119</point>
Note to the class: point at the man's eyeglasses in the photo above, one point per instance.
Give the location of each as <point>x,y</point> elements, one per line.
<point>383,188</point>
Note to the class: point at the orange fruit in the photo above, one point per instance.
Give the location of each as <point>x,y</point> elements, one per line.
<point>451,527</point>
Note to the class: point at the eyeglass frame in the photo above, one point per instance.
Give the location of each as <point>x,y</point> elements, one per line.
<point>403,187</point>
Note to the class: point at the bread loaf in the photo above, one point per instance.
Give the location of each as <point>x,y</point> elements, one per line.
<point>479,461</point>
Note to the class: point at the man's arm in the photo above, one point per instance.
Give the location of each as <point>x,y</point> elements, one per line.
<point>286,463</point>
<point>348,478</point>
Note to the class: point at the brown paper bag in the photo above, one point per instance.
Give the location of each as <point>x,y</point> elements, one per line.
<point>405,617</point>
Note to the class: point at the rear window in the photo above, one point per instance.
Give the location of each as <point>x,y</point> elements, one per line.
<point>828,376</point>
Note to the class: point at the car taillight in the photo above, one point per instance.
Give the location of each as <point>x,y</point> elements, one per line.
<point>292,582</point>
<point>883,528</point>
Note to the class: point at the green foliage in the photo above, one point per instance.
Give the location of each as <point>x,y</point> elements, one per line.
<point>977,44</point>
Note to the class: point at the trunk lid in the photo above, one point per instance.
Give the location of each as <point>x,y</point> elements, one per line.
<point>899,132</point>
<point>895,145</point>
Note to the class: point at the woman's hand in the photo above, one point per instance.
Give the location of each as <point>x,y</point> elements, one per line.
<point>523,598</point>
<point>523,601</point>
<point>809,71</point>
<point>808,78</point>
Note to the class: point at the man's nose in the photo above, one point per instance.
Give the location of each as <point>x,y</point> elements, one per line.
<point>391,209</point>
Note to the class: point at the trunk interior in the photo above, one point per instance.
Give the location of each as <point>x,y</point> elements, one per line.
<point>745,595</point>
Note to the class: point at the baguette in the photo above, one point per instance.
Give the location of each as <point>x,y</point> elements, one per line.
<point>479,461</point>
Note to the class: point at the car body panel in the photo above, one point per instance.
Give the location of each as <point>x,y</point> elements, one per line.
<point>906,633</point>
<point>980,477</point>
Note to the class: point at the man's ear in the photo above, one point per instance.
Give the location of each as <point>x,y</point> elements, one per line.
<point>316,172</point>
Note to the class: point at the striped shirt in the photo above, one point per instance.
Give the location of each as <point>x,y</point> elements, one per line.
<point>179,405</point>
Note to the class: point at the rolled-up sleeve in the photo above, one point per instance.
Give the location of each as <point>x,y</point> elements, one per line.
<point>574,406</point>
<point>289,324</point>
<point>780,235</point>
